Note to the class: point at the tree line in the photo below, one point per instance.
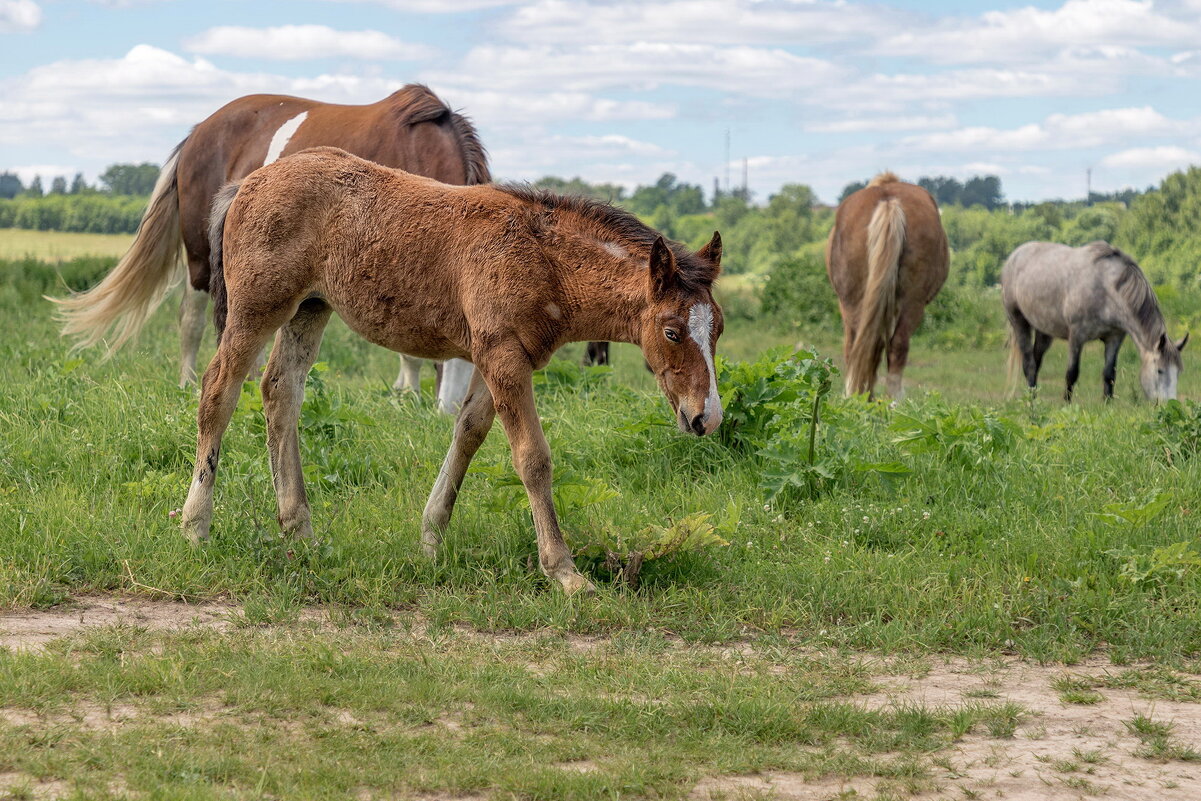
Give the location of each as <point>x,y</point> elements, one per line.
<point>113,206</point>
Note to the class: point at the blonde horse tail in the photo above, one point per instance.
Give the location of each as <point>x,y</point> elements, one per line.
<point>129,294</point>
<point>878,310</point>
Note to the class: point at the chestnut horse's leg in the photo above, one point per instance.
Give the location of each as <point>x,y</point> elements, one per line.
<point>283,393</point>
<point>513,393</point>
<point>471,429</point>
<point>220,388</point>
<point>191,331</point>
<point>898,347</point>
<point>409,379</point>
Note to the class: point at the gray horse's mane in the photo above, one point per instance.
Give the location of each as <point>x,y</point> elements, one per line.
<point>1133,287</point>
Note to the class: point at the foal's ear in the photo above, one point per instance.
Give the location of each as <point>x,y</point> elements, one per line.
<point>1180,345</point>
<point>663,268</point>
<point>712,251</point>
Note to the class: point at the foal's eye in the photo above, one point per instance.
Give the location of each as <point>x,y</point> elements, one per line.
<point>671,334</point>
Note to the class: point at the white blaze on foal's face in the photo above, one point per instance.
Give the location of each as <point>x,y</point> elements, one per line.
<point>700,331</point>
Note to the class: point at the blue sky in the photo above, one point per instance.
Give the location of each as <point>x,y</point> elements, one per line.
<point>820,92</point>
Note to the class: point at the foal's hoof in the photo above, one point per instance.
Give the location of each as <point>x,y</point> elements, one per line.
<point>574,584</point>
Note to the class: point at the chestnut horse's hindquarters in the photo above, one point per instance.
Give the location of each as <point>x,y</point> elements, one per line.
<point>125,299</point>
<point>878,311</point>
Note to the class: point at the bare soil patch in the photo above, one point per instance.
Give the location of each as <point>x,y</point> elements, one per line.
<point>1057,751</point>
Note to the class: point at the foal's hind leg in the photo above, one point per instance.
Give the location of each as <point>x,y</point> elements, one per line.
<point>219,392</point>
<point>471,428</point>
<point>283,393</point>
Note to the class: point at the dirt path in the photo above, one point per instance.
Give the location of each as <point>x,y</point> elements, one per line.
<point>1059,750</point>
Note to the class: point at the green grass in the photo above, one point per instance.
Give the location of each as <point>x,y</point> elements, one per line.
<point>54,246</point>
<point>971,551</point>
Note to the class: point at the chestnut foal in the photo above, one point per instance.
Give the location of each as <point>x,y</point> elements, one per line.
<point>502,276</point>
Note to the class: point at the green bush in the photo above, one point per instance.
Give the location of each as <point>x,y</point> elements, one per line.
<point>797,294</point>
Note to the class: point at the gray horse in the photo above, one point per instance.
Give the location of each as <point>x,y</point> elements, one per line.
<point>1080,294</point>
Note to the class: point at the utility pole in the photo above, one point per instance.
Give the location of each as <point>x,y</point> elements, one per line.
<point>727,161</point>
<point>746,196</point>
<point>1088,186</point>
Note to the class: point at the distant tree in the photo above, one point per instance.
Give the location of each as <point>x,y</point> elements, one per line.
<point>946,190</point>
<point>129,179</point>
<point>59,185</point>
<point>679,198</point>
<point>982,191</point>
<point>609,193</point>
<point>35,187</point>
<point>78,185</point>
<point>851,188</point>
<point>10,185</point>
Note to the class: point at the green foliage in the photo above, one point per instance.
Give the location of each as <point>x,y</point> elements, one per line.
<point>966,437</point>
<point>1162,230</point>
<point>130,179</point>
<point>91,212</point>
<point>1177,425</point>
<point>798,295</point>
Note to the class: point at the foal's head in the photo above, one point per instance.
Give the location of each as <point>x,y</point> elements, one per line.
<point>680,328</point>
<point>1161,368</point>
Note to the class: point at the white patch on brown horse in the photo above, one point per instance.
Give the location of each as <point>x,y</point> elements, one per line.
<point>284,135</point>
<point>700,328</point>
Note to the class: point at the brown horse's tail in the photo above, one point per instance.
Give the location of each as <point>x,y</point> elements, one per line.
<point>217,214</point>
<point>126,297</point>
<point>878,310</point>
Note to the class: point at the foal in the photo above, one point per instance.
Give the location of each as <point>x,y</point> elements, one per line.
<point>502,276</point>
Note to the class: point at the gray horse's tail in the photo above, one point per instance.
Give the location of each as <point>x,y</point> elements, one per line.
<point>878,311</point>
<point>217,214</point>
<point>127,296</point>
<point>1013,373</point>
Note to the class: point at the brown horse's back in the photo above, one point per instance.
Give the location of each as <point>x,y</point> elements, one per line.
<point>887,257</point>
<point>411,129</point>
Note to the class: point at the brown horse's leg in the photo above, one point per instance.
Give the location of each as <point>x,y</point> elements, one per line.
<point>513,394</point>
<point>848,341</point>
<point>283,393</point>
<point>191,331</point>
<point>219,392</point>
<point>898,348</point>
<point>1074,346</point>
<point>471,429</point>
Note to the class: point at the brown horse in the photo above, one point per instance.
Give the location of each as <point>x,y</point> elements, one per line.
<point>412,129</point>
<point>887,257</point>
<point>502,276</point>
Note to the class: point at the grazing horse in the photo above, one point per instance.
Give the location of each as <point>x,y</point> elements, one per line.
<point>502,276</point>
<point>887,257</point>
<point>412,129</point>
<point>1080,294</point>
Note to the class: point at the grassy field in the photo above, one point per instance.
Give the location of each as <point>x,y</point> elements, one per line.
<point>1003,526</point>
<point>56,246</point>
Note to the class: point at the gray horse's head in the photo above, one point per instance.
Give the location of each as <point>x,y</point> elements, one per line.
<point>1161,368</point>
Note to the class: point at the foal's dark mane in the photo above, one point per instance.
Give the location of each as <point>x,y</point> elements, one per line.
<point>694,273</point>
<point>416,103</point>
<point>1134,288</point>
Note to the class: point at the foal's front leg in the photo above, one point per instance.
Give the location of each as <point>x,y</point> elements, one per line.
<point>513,395</point>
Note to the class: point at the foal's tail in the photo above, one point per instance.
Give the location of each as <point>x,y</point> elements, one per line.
<point>878,311</point>
<point>127,296</point>
<point>219,210</point>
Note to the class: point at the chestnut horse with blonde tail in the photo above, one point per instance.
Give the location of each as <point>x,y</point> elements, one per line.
<point>887,257</point>
<point>412,129</point>
<point>502,276</point>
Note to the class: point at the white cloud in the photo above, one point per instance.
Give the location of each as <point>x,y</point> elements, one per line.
<point>1058,131</point>
<point>435,6</point>
<point>697,21</point>
<point>19,16</point>
<point>643,66</point>
<point>1027,34</point>
<point>299,42</point>
<point>1164,157</point>
<point>884,124</point>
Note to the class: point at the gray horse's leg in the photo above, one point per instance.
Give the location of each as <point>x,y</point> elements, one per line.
<point>295,352</point>
<point>191,331</point>
<point>1041,343</point>
<point>1113,343</point>
<point>1075,343</point>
